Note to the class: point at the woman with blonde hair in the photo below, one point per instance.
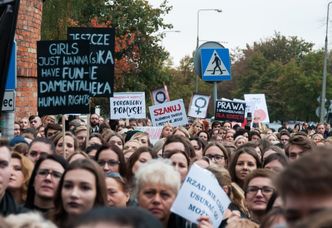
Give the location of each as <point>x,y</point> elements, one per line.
<point>167,130</point>
<point>21,170</point>
<point>196,127</point>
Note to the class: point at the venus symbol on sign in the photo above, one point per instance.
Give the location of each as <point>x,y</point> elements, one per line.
<point>200,102</point>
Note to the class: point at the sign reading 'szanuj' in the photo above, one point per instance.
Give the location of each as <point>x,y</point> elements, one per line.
<point>172,112</point>
<point>216,65</point>
<point>65,79</point>
<point>200,194</point>
<point>101,55</point>
<point>230,110</point>
<point>128,105</point>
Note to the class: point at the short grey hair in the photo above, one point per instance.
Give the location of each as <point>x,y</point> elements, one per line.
<point>157,171</point>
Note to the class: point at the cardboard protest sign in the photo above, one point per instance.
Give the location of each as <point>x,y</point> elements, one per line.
<point>172,112</point>
<point>101,56</point>
<point>201,194</point>
<point>198,106</point>
<point>64,77</point>
<point>160,96</point>
<point>154,132</point>
<point>230,110</point>
<point>128,105</point>
<point>258,108</point>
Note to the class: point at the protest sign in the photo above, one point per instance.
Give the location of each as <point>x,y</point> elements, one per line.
<point>127,105</point>
<point>172,112</point>
<point>154,132</point>
<point>258,108</point>
<point>64,77</point>
<point>101,56</point>
<point>230,110</point>
<point>201,194</point>
<point>160,95</point>
<point>198,106</point>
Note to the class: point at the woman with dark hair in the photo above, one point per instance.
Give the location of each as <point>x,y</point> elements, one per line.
<point>95,139</point>
<point>217,154</point>
<point>199,146</point>
<point>81,188</point>
<point>204,136</point>
<point>44,182</point>
<point>114,138</point>
<point>111,159</point>
<point>117,217</point>
<point>137,159</point>
<point>276,162</point>
<point>244,161</point>
<point>181,162</point>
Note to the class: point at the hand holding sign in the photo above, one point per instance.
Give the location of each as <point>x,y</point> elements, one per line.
<point>201,195</point>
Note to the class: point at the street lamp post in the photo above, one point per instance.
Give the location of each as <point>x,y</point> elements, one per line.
<point>197,42</point>
<point>323,96</point>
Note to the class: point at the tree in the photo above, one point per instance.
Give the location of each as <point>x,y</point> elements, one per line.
<point>287,71</point>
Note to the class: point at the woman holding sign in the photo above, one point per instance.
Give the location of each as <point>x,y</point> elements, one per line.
<point>156,186</point>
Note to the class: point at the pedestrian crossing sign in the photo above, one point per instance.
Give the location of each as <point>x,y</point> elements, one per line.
<point>216,64</point>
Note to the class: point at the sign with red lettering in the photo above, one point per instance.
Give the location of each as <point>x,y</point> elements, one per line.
<point>172,112</point>
<point>230,110</point>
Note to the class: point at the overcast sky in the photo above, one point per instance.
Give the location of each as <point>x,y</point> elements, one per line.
<point>243,22</point>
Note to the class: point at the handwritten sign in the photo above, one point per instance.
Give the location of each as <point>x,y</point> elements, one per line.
<point>172,112</point>
<point>230,110</point>
<point>257,106</point>
<point>101,56</point>
<point>128,105</point>
<point>201,194</point>
<point>154,132</point>
<point>64,77</point>
<point>198,106</point>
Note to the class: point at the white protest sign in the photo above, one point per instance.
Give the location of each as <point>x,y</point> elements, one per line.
<point>154,132</point>
<point>127,105</point>
<point>201,194</point>
<point>160,96</point>
<point>172,112</point>
<point>198,106</point>
<point>256,104</point>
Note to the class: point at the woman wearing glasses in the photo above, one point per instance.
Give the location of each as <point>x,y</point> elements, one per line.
<point>258,189</point>
<point>217,154</point>
<point>111,159</point>
<point>81,188</point>
<point>44,181</point>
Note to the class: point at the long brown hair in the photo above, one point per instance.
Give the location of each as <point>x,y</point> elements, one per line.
<point>59,215</point>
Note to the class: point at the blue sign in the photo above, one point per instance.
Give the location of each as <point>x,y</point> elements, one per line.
<point>11,76</point>
<point>216,64</point>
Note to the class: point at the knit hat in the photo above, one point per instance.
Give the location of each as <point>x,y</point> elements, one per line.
<point>17,139</point>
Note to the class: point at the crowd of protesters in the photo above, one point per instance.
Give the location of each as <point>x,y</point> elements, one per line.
<point>109,174</point>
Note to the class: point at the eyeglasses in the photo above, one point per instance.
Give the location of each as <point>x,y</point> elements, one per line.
<point>216,157</point>
<point>109,163</point>
<point>265,190</point>
<point>46,172</point>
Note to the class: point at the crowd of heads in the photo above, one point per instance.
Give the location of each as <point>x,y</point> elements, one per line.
<point>96,170</point>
